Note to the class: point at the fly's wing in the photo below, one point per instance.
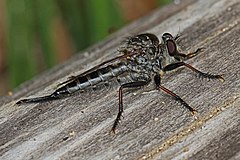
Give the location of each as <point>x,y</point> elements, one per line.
<point>126,55</point>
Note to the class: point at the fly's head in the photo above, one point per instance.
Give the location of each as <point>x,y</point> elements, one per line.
<point>169,48</point>
<point>169,43</point>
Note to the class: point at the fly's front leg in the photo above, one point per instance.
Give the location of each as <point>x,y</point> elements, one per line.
<point>189,55</point>
<point>157,80</point>
<point>193,54</point>
<point>201,74</point>
<point>120,107</point>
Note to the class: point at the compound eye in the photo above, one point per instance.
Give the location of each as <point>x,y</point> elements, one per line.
<point>171,47</point>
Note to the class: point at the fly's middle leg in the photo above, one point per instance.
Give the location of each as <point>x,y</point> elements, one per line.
<point>157,80</point>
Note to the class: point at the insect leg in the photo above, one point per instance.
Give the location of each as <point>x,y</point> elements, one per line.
<point>193,54</point>
<point>182,56</point>
<point>157,80</point>
<point>201,74</point>
<point>173,66</point>
<point>205,75</point>
<point>120,107</point>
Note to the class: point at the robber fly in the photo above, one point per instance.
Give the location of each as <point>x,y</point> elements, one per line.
<point>141,60</point>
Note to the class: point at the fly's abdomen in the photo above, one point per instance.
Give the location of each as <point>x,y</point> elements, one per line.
<point>92,79</point>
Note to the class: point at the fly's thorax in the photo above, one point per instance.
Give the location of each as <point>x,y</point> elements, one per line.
<point>142,44</point>
<point>143,40</point>
<point>144,64</point>
<point>145,49</point>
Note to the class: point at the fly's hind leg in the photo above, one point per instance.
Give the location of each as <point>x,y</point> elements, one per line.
<point>120,107</point>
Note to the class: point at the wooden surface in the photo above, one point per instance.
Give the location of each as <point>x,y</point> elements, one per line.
<point>154,125</point>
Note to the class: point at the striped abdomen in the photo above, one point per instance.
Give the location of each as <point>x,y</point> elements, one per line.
<point>92,79</point>
<point>81,82</point>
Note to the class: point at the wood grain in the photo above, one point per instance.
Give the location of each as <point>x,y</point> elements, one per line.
<point>154,125</point>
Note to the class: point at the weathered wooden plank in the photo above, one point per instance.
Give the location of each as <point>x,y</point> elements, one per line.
<point>154,125</point>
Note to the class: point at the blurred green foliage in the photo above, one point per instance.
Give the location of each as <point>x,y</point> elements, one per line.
<point>89,20</point>
<point>30,26</point>
<point>20,30</point>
